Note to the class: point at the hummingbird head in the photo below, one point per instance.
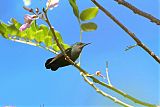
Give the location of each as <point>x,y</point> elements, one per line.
<point>80,45</point>
<point>76,49</point>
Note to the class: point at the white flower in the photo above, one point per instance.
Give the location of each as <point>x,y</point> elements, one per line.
<point>51,4</point>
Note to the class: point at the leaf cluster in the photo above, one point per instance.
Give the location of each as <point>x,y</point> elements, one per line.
<point>39,34</point>
<point>86,15</point>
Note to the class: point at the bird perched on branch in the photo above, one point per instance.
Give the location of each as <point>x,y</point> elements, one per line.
<point>59,61</point>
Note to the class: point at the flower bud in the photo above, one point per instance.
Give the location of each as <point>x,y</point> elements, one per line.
<point>24,27</point>
<point>37,10</point>
<point>98,73</point>
<point>28,9</point>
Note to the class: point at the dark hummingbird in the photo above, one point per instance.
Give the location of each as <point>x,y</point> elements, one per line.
<point>59,61</point>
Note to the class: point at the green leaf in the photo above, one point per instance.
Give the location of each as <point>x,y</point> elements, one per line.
<point>89,13</point>
<point>30,34</point>
<point>48,41</point>
<point>55,47</point>
<point>2,29</point>
<point>16,23</point>
<point>75,8</point>
<point>12,30</point>
<point>65,46</point>
<point>39,36</point>
<point>13,20</point>
<point>58,35</point>
<point>33,32</point>
<point>44,28</point>
<point>22,34</point>
<point>88,26</point>
<point>34,26</point>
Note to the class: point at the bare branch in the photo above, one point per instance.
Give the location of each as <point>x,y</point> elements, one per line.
<point>33,44</point>
<point>132,35</point>
<point>107,74</point>
<point>111,87</point>
<point>114,99</point>
<point>138,11</point>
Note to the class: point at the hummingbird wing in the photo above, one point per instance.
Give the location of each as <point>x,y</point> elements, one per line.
<point>53,63</point>
<point>47,64</point>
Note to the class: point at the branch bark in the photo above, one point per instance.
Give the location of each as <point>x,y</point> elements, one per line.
<point>132,35</point>
<point>138,11</point>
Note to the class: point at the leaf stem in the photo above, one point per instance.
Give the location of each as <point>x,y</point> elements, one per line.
<point>80,41</point>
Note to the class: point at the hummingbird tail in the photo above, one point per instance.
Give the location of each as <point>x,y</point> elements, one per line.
<point>50,64</point>
<point>54,68</point>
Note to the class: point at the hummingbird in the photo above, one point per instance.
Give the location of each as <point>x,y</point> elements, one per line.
<point>59,61</point>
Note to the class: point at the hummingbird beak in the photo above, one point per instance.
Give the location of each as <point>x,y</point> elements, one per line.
<point>85,44</point>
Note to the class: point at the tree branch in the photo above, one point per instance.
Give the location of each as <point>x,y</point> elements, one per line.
<point>114,99</point>
<point>132,35</point>
<point>121,92</point>
<point>33,44</point>
<point>138,11</point>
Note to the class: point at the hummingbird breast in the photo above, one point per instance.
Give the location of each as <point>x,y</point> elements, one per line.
<point>75,54</point>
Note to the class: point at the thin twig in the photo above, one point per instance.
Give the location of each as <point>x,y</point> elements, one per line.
<point>107,74</point>
<point>114,99</point>
<point>80,41</point>
<point>121,92</point>
<point>138,11</point>
<point>132,35</point>
<point>33,44</point>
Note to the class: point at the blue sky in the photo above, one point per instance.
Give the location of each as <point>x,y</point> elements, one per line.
<point>25,81</point>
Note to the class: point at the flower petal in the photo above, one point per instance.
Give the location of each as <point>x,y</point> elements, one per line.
<point>28,18</point>
<point>24,27</point>
<point>52,3</point>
